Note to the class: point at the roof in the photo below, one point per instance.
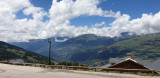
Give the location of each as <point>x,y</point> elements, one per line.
<point>129,64</point>
<point>154,65</point>
<point>144,62</point>
<point>116,60</point>
<point>16,61</point>
<point>106,66</point>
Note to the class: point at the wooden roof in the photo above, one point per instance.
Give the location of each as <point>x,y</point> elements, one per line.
<point>128,64</point>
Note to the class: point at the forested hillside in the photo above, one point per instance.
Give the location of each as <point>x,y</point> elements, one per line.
<point>65,51</point>
<point>144,47</point>
<point>9,52</point>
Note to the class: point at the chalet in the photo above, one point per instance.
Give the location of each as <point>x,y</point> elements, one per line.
<point>14,61</point>
<point>130,63</point>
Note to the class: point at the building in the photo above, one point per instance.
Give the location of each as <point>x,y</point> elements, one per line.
<point>14,61</point>
<point>130,63</point>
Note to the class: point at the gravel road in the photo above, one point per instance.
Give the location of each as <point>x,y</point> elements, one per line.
<point>13,71</point>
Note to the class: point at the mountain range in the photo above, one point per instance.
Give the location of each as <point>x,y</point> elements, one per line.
<point>11,52</point>
<point>96,50</point>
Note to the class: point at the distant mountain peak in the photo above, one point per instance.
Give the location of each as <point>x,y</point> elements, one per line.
<point>124,34</point>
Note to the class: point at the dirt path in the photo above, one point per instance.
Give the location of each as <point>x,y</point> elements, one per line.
<point>13,71</point>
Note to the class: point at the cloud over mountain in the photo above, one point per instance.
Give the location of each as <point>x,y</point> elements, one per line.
<point>60,14</point>
<point>147,24</point>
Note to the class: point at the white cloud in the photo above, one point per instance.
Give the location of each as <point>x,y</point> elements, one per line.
<point>99,24</point>
<point>31,10</point>
<point>37,12</point>
<point>147,24</point>
<point>67,9</point>
<point>13,29</point>
<point>60,14</point>
<point>15,5</point>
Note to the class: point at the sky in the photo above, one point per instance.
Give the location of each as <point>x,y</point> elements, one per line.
<point>22,20</point>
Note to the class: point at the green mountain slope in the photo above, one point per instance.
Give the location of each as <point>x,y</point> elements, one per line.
<point>8,52</point>
<point>64,51</point>
<point>144,47</point>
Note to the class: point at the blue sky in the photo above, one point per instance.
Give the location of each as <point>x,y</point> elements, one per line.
<point>39,19</point>
<point>135,8</point>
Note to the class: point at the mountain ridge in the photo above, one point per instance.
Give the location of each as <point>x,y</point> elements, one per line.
<point>10,52</point>
<point>63,51</point>
<point>95,50</point>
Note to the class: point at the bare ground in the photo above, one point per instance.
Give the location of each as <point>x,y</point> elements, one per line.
<point>13,71</point>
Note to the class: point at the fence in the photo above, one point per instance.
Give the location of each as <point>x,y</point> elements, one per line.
<point>121,70</point>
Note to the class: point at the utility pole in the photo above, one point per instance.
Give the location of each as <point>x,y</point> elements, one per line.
<point>49,60</point>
